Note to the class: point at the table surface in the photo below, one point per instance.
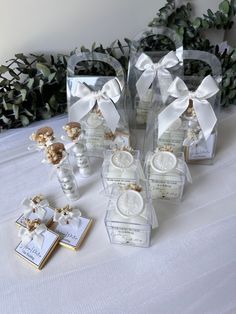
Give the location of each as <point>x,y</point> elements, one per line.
<point>189,268</point>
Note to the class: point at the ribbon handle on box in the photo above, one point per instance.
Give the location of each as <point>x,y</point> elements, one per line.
<point>151,70</point>
<point>104,98</point>
<point>204,111</point>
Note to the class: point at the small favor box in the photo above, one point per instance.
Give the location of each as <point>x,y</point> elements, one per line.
<point>37,257</point>
<point>166,175</point>
<point>128,218</point>
<point>121,167</point>
<point>72,237</point>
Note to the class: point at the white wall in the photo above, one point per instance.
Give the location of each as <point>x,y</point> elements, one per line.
<point>60,26</point>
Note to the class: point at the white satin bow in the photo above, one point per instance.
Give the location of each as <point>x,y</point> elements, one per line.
<point>104,98</point>
<point>35,235</point>
<point>71,217</point>
<point>203,109</point>
<point>38,208</point>
<point>151,70</point>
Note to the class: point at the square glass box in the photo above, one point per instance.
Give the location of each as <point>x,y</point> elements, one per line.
<point>166,184</point>
<point>121,168</point>
<point>133,230</point>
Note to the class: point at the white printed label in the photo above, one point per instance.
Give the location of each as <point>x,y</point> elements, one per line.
<point>166,186</point>
<point>127,234</point>
<point>202,150</point>
<point>72,235</point>
<point>119,181</point>
<point>35,255</point>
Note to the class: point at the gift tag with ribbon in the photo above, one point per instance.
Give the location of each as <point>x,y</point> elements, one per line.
<point>36,207</point>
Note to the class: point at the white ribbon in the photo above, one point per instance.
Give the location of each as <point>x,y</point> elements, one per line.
<point>38,208</point>
<point>203,109</point>
<point>35,235</point>
<point>71,217</point>
<point>151,70</point>
<point>104,98</point>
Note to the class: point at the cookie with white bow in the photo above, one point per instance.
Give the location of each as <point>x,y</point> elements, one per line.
<point>36,207</point>
<point>37,243</point>
<point>71,226</point>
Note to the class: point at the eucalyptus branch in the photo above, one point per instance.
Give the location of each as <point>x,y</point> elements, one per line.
<point>33,87</point>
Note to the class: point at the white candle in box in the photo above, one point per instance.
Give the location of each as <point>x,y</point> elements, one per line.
<point>165,180</point>
<point>121,166</point>
<point>127,219</point>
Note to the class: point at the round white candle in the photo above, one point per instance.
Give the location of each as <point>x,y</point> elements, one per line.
<point>122,159</point>
<point>130,203</point>
<point>163,162</point>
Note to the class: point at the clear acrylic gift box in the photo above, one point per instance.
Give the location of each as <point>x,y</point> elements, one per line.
<point>166,175</point>
<point>121,167</point>
<point>130,217</point>
<point>94,101</point>
<point>140,59</point>
<point>184,134</point>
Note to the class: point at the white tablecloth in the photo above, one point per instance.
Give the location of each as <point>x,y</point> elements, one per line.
<point>189,268</point>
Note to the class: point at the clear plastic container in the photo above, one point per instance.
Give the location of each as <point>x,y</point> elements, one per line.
<point>121,167</point>
<point>129,218</point>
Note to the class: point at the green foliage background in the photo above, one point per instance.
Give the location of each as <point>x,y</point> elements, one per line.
<point>34,87</point>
